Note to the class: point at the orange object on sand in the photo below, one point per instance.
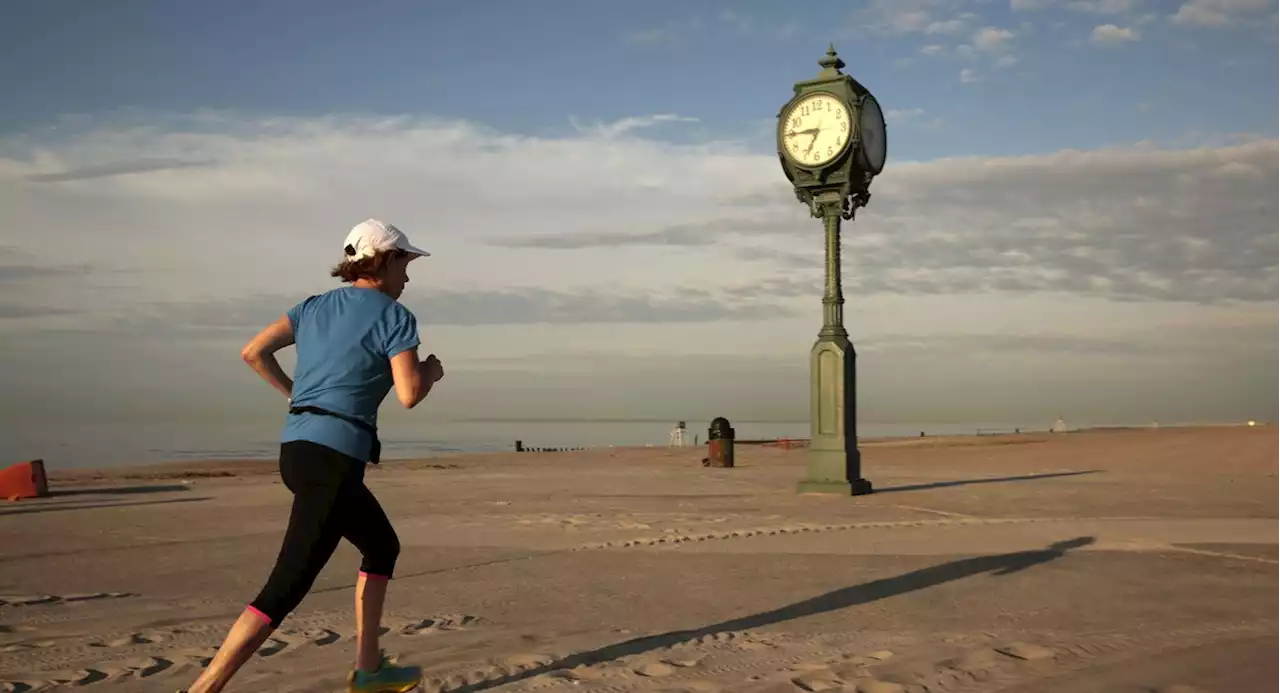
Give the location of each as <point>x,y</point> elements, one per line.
<point>24,480</point>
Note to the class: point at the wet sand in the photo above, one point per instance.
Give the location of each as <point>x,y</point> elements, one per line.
<point>1127,560</point>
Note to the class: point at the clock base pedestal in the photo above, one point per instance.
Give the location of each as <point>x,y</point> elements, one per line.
<point>834,463</point>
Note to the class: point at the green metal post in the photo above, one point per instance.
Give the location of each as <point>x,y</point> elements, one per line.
<point>835,463</point>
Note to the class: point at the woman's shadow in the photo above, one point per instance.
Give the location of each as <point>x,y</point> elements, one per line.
<point>998,564</point>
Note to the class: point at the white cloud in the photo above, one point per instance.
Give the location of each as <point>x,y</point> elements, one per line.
<point>969,76</point>
<point>1110,34</point>
<point>900,17</point>
<point>692,27</point>
<point>1006,61</point>
<point>747,25</point>
<point>948,27</point>
<point>668,32</point>
<point>631,245</point>
<point>992,39</point>
<point>1103,6</point>
<point>933,49</point>
<point>1094,6</point>
<point>897,115</point>
<point>1220,12</point>
<point>909,20</point>
<point>625,125</point>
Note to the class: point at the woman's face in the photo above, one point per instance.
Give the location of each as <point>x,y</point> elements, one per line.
<point>397,275</point>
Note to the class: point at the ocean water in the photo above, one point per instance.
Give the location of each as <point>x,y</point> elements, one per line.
<point>119,444</point>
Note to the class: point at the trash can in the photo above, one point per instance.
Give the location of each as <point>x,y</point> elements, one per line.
<point>720,443</point>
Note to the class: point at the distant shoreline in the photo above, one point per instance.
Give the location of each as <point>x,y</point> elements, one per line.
<point>191,469</point>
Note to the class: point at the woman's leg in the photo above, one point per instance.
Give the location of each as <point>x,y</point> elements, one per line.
<point>246,636</point>
<point>371,594</point>
<point>313,533</point>
<point>371,532</point>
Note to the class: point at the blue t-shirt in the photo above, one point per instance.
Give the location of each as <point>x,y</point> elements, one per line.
<point>345,339</point>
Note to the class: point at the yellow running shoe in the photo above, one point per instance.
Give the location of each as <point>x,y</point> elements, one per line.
<point>387,679</point>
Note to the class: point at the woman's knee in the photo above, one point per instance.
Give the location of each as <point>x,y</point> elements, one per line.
<point>391,550</point>
<point>381,559</point>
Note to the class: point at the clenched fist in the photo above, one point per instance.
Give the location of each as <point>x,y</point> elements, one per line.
<point>432,371</point>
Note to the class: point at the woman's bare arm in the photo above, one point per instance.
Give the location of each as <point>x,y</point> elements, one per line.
<point>413,379</point>
<point>260,354</point>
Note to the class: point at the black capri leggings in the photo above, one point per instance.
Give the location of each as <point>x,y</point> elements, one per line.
<point>330,502</point>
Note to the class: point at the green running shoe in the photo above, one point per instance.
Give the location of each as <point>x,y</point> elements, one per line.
<point>387,679</point>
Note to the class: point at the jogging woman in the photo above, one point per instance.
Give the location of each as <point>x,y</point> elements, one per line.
<point>353,344</point>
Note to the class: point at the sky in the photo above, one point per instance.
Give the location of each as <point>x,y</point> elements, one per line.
<point>1078,216</point>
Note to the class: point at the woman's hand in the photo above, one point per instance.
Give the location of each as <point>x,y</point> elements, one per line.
<point>432,371</point>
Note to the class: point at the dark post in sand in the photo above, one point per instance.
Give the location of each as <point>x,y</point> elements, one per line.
<point>831,143</point>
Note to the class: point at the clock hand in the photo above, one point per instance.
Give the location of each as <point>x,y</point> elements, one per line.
<point>816,131</point>
<point>810,131</point>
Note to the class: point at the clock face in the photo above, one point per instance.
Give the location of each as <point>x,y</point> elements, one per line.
<point>815,130</point>
<point>872,133</point>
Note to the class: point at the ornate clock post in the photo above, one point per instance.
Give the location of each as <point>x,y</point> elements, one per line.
<point>831,142</point>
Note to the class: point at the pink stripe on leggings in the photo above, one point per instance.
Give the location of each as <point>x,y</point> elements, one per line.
<point>374,576</point>
<point>253,609</point>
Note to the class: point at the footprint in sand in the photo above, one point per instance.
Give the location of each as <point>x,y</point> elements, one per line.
<point>319,637</point>
<point>194,657</point>
<point>692,687</point>
<point>818,681</point>
<point>576,675</point>
<point>438,623</point>
<point>274,646</point>
<point>84,677</point>
<point>852,668</point>
<point>909,675</point>
<point>129,640</point>
<point>137,668</point>
<point>523,662</point>
<point>92,596</point>
<point>39,599</point>
<point>685,662</point>
<point>655,669</point>
<point>815,676</point>
<point>878,686</point>
<point>428,625</point>
<point>27,599</point>
<point>20,646</point>
<point>1025,651</point>
<point>145,667</point>
<point>976,663</point>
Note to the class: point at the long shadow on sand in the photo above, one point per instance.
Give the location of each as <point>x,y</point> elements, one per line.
<point>118,490</point>
<point>987,480</point>
<point>998,564</point>
<point>60,507</point>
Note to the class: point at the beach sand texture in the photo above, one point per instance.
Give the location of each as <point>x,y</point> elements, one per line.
<point>1126,560</point>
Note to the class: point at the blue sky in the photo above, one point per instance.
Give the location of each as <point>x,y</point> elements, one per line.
<point>1078,216</point>
<point>528,66</point>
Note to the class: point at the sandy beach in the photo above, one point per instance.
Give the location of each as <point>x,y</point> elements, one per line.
<point>1126,560</point>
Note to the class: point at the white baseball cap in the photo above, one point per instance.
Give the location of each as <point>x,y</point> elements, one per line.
<point>372,236</point>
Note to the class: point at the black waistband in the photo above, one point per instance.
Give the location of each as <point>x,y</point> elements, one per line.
<point>375,454</point>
